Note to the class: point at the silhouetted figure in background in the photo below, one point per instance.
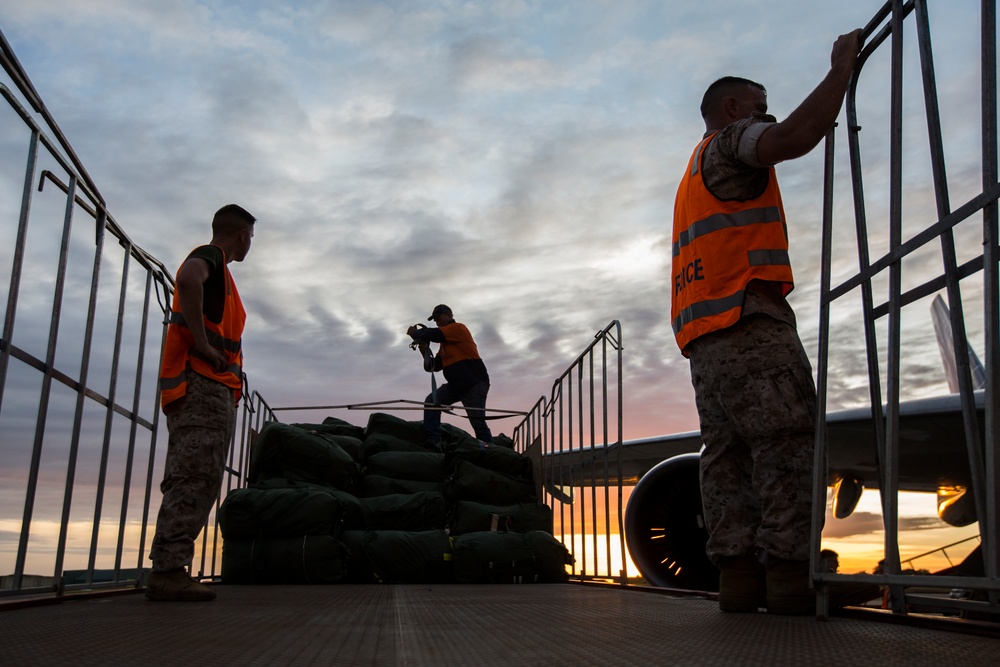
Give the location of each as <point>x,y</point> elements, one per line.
<point>467,378</point>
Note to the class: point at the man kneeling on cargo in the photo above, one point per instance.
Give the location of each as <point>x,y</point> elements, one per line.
<point>468,381</point>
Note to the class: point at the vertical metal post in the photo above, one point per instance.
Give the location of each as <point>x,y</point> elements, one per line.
<point>43,402</point>
<point>110,412</point>
<point>991,309</point>
<point>88,338</point>
<point>864,257</point>
<point>586,443</point>
<point>133,425</point>
<point>820,455</point>
<point>619,346</point>
<point>890,499</point>
<point>151,461</point>
<point>18,264</point>
<point>604,450</point>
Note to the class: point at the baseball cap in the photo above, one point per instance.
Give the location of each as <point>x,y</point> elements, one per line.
<point>440,309</point>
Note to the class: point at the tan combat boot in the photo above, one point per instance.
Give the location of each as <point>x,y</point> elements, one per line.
<point>741,584</point>
<point>176,586</point>
<point>788,589</point>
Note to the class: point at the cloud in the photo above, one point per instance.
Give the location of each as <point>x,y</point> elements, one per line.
<point>515,160</point>
<point>870,523</point>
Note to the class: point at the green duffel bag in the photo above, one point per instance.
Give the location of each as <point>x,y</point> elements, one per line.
<point>355,447</point>
<point>453,437</point>
<point>349,438</point>
<point>425,510</point>
<point>472,517</point>
<point>416,466</point>
<point>333,426</point>
<point>281,450</point>
<point>353,516</point>
<point>491,457</point>
<point>380,422</point>
<point>302,559</point>
<point>379,485</point>
<point>503,441</point>
<point>377,443</point>
<point>341,427</point>
<point>252,512</point>
<point>359,568</point>
<point>405,557</point>
<point>470,482</point>
<point>509,558</point>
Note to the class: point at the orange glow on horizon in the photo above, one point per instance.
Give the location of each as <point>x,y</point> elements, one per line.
<point>859,545</point>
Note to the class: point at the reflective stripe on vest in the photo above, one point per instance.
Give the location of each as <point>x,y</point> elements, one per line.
<point>719,221</point>
<point>214,339</point>
<point>719,247</point>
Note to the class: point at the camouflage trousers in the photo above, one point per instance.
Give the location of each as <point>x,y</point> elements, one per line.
<point>757,407</point>
<point>201,427</point>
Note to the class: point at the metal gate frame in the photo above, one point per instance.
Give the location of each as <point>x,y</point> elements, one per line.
<point>580,427</point>
<point>133,398</point>
<point>982,451</point>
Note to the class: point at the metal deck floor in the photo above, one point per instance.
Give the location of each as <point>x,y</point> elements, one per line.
<point>455,625</point>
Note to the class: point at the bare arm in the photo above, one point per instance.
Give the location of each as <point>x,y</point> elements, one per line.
<point>191,295</point>
<point>808,124</point>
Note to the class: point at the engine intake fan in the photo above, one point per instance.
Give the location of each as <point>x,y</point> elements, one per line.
<point>664,529</point>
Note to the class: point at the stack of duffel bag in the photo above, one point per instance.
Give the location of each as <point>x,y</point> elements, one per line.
<point>283,527</point>
<point>403,538</point>
<point>466,513</point>
<point>500,533</point>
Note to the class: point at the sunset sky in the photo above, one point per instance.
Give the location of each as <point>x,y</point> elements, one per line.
<point>514,159</point>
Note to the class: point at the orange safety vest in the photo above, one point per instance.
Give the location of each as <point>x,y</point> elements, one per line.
<point>719,247</point>
<point>458,345</point>
<point>226,335</point>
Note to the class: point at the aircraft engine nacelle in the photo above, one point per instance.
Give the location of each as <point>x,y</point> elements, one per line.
<point>664,528</point>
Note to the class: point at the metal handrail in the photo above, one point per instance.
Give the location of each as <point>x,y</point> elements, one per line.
<point>92,412</point>
<point>583,413</point>
<point>887,26</point>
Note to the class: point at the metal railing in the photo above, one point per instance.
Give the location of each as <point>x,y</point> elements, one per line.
<point>887,28</point>
<point>81,439</point>
<point>575,439</point>
<point>961,546</point>
<point>80,350</point>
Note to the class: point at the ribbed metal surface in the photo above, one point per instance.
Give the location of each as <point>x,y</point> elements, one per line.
<point>455,625</point>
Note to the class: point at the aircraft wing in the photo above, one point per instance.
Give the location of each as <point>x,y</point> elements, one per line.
<point>600,465</point>
<point>932,450</point>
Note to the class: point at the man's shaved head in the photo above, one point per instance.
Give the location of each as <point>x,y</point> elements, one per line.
<point>721,89</point>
